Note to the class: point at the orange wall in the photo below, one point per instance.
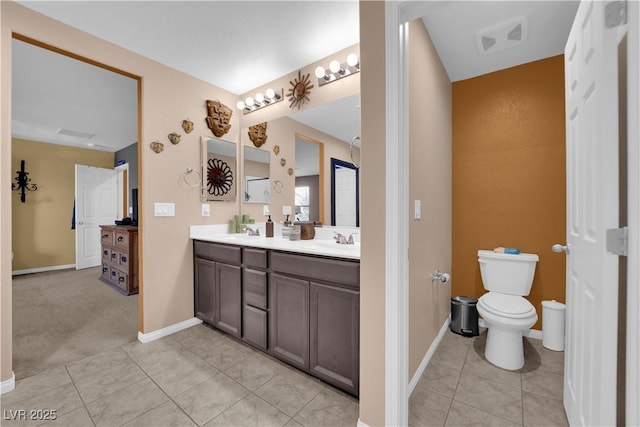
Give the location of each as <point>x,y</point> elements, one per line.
<point>509,173</point>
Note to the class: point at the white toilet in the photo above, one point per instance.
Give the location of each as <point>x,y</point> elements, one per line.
<point>506,312</point>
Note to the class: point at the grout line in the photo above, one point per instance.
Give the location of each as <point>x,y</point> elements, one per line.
<point>84,404</point>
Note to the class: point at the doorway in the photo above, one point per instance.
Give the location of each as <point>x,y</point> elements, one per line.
<point>65,135</point>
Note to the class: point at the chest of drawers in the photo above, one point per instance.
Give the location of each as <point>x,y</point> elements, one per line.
<point>120,257</point>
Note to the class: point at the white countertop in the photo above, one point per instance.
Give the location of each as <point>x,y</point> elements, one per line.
<point>322,245</point>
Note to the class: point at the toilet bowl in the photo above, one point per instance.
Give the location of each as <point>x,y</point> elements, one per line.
<point>507,314</point>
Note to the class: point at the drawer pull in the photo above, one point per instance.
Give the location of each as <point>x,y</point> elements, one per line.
<point>123,259</point>
<point>104,236</point>
<point>120,238</point>
<point>104,269</point>
<point>113,256</point>
<point>105,252</point>
<point>113,273</point>
<point>121,279</point>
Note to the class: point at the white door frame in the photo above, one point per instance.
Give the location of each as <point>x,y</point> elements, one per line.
<point>397,14</point>
<point>633,203</point>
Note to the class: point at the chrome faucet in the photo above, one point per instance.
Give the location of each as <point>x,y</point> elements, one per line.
<point>342,240</point>
<point>252,232</point>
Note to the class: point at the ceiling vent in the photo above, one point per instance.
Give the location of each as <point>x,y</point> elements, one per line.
<point>502,36</point>
<point>75,133</point>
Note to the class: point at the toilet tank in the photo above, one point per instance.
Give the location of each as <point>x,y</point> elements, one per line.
<point>506,273</point>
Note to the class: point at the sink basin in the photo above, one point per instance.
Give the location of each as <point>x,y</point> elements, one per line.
<point>334,246</point>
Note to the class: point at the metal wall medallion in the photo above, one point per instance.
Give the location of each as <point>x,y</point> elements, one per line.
<point>219,177</point>
<point>299,92</point>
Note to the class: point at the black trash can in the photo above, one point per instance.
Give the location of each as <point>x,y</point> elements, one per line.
<point>464,316</point>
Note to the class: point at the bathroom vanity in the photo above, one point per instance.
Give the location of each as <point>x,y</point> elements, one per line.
<point>296,301</point>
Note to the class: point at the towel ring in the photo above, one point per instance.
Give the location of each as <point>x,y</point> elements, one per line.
<point>191,172</point>
<point>278,186</point>
<point>353,141</point>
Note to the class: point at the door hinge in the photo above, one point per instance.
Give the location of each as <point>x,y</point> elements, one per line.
<point>617,241</point>
<point>615,14</point>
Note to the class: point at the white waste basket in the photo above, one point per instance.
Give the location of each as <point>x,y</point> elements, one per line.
<point>553,320</point>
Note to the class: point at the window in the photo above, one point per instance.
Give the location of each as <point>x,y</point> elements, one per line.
<point>302,203</point>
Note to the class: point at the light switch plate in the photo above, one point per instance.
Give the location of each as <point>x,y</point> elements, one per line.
<point>205,209</point>
<point>417,209</point>
<point>164,209</point>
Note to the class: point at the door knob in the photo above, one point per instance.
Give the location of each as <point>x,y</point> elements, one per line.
<point>558,248</point>
<point>80,222</point>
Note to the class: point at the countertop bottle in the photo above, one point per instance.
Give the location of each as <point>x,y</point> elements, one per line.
<point>269,227</point>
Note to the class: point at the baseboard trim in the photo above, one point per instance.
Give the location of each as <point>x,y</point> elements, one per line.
<point>171,329</point>
<point>531,333</point>
<point>427,357</point>
<point>361,424</point>
<point>8,385</point>
<point>42,269</point>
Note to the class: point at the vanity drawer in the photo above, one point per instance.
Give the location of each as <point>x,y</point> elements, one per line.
<point>255,258</point>
<point>254,327</point>
<point>255,288</point>
<point>216,252</point>
<point>326,269</point>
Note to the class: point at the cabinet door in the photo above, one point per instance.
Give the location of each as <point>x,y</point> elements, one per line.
<point>228,299</point>
<point>254,327</point>
<point>334,333</point>
<point>289,320</point>
<point>204,298</point>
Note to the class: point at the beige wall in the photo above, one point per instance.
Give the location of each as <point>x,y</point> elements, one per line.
<point>42,234</point>
<point>429,182</point>
<point>372,221</point>
<point>516,198</point>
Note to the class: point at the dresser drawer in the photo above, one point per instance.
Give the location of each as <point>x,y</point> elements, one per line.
<point>255,288</point>
<point>106,237</point>
<point>106,271</point>
<point>123,261</point>
<point>106,255</point>
<point>216,252</point>
<point>121,240</point>
<point>123,281</point>
<point>113,256</point>
<point>255,258</point>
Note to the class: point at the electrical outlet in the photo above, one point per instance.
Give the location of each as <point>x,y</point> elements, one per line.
<point>417,209</point>
<point>164,209</point>
<point>205,209</point>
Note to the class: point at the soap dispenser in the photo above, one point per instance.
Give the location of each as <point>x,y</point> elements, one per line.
<point>269,227</point>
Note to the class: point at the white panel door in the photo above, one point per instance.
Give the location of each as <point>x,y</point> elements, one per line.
<point>592,207</point>
<point>345,194</point>
<point>96,204</point>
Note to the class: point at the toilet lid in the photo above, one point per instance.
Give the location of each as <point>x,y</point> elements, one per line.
<point>507,305</point>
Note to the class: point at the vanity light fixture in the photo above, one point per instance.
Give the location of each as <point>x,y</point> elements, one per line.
<point>337,70</point>
<point>251,104</point>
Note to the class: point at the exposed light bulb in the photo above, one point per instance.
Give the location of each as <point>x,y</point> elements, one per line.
<point>271,94</point>
<point>352,60</point>
<point>249,101</point>
<point>259,98</point>
<point>334,66</point>
<point>320,72</point>
<point>240,105</point>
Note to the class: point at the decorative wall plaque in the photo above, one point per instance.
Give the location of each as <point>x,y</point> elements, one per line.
<point>299,92</point>
<point>187,125</point>
<point>219,116</point>
<point>283,162</point>
<point>276,149</point>
<point>258,134</point>
<point>174,138</point>
<point>157,147</point>
<point>290,171</point>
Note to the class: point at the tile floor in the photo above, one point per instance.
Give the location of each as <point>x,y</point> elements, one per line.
<point>460,388</point>
<point>201,377</point>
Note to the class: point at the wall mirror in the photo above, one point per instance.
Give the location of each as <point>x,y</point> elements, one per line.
<point>309,185</point>
<point>257,184</point>
<point>219,169</point>
<point>345,194</point>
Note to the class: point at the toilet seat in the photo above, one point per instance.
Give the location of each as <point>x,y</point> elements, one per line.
<point>512,306</point>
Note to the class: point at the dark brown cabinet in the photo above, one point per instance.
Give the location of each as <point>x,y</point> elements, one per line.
<point>218,286</point>
<point>334,327</point>
<point>289,321</point>
<point>301,309</point>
